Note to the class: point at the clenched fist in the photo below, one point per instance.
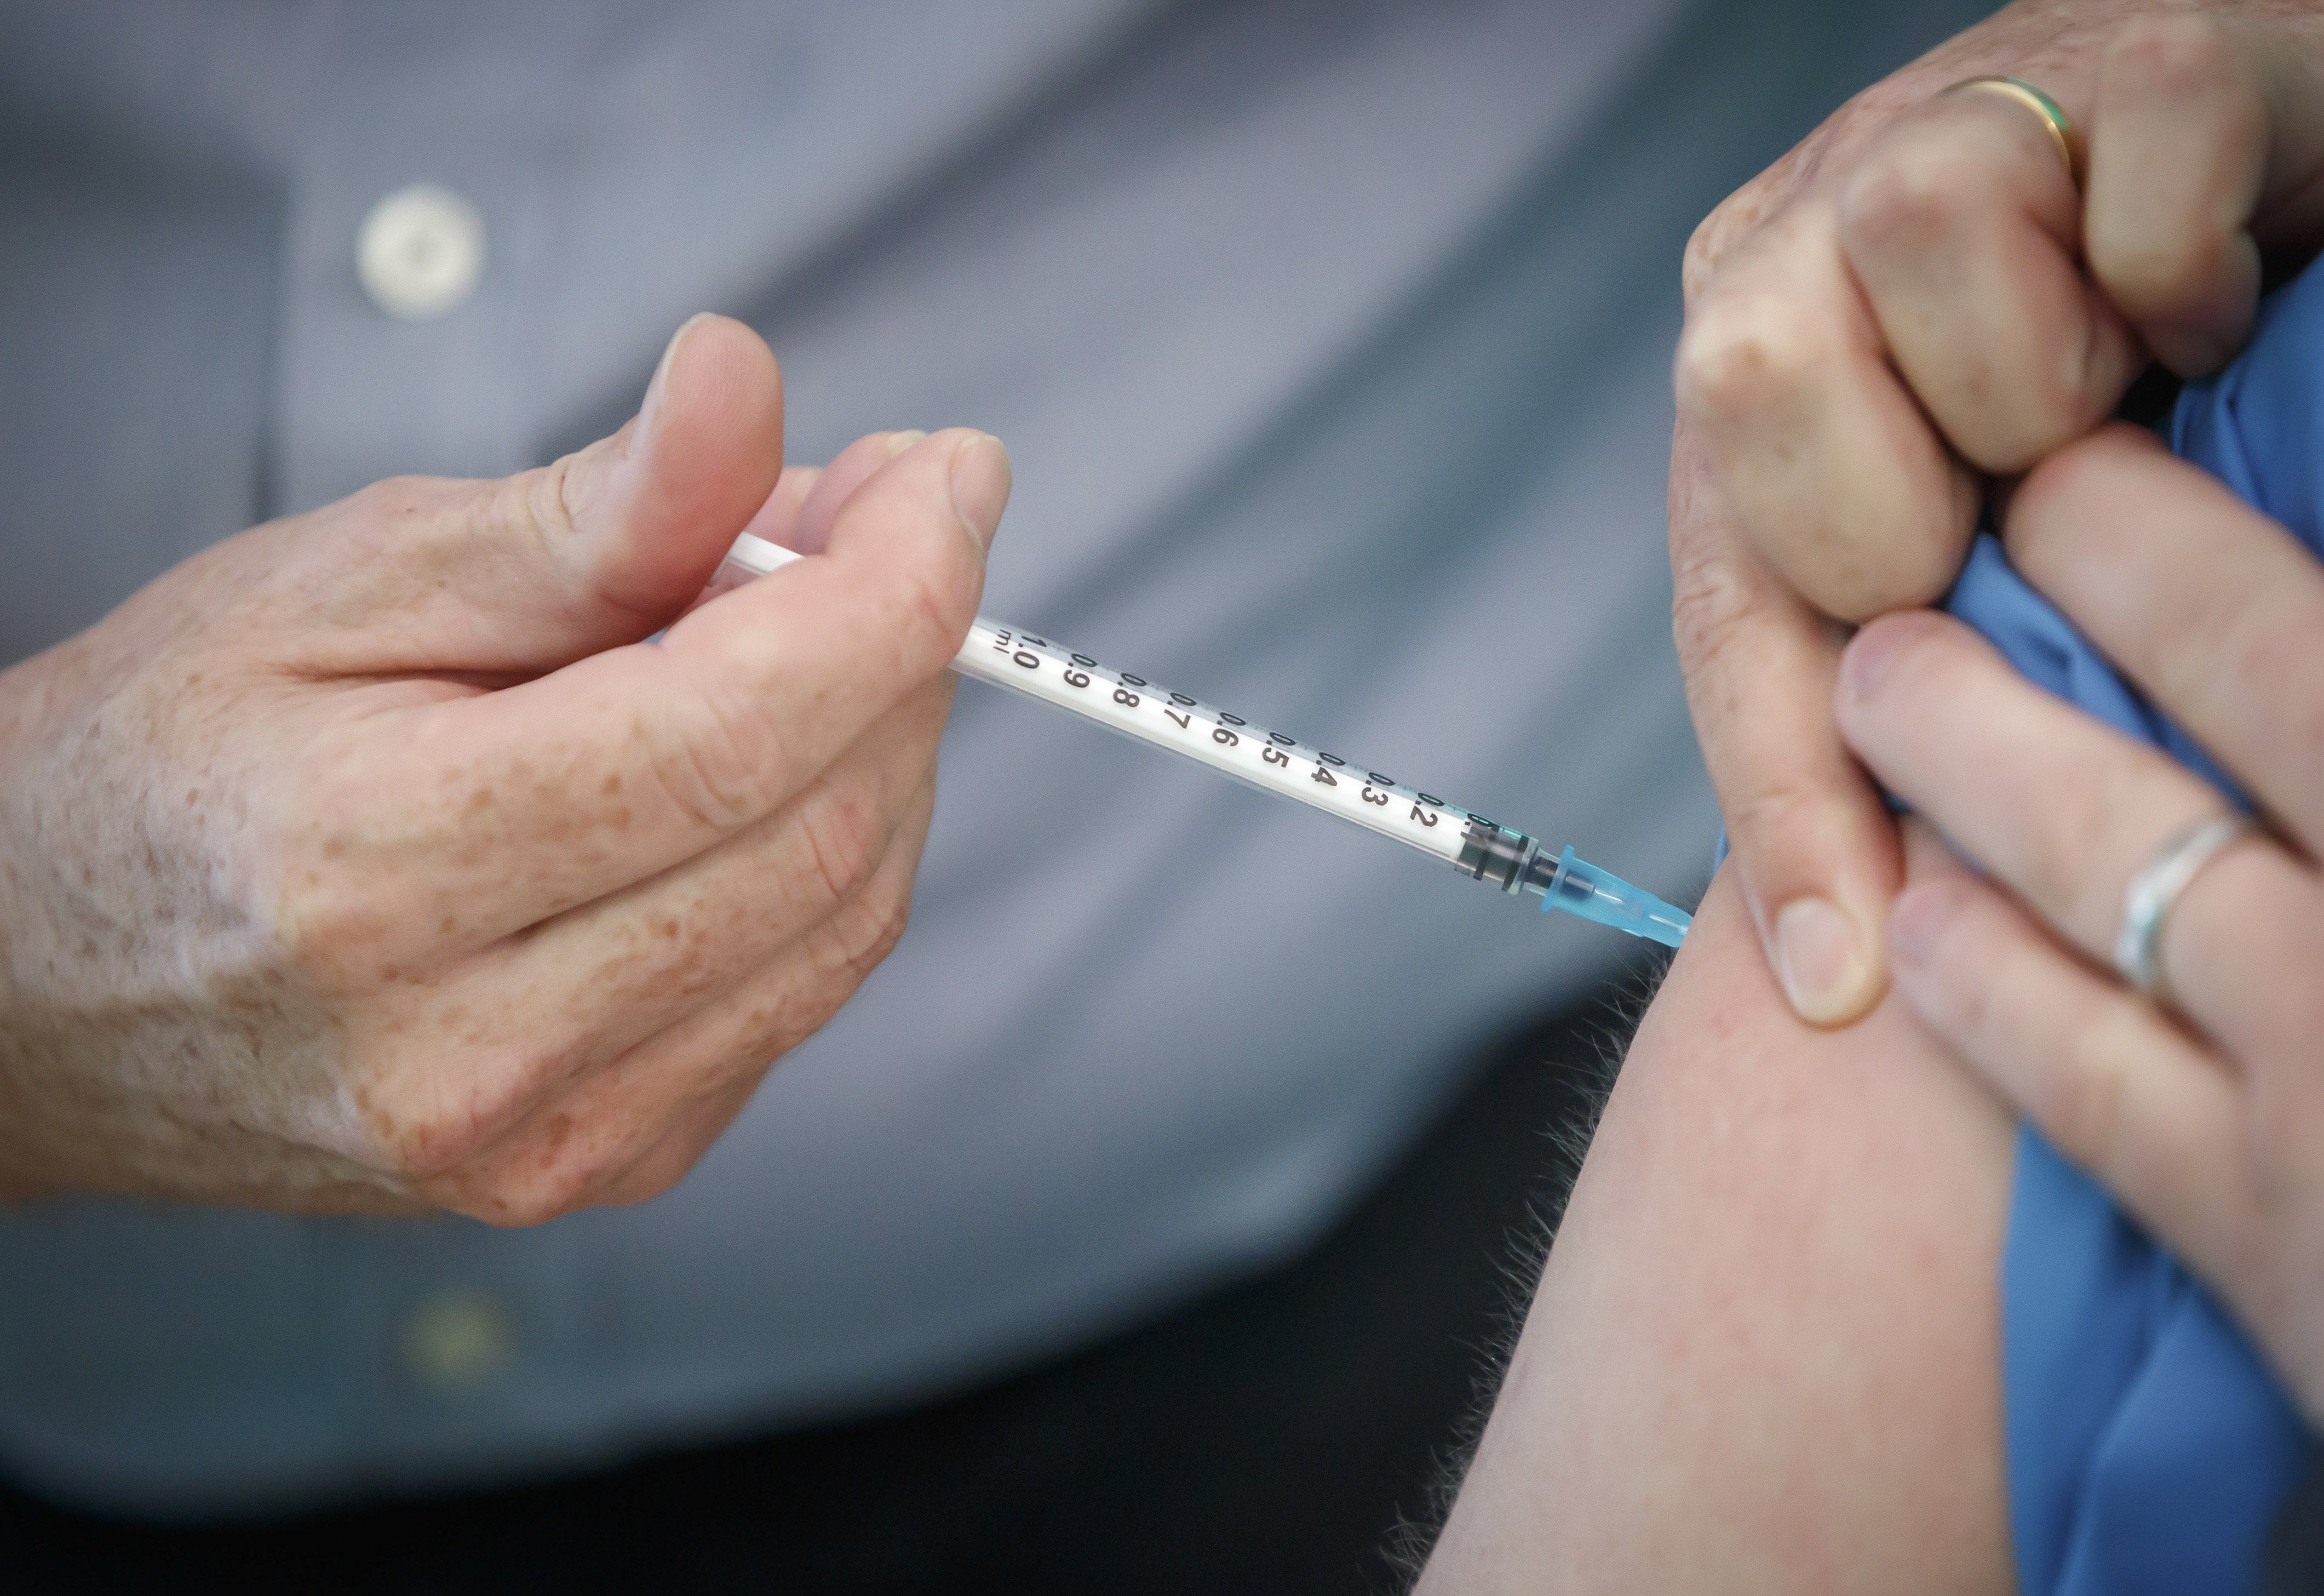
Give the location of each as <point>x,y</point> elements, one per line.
<point>1913,307</point>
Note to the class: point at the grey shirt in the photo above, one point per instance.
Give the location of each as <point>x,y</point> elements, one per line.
<point>1329,338</point>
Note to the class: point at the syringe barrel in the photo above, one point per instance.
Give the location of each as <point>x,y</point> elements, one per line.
<point>1490,851</point>
<point>1272,762</point>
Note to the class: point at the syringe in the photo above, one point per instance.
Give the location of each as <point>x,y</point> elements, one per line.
<point>1009,657</point>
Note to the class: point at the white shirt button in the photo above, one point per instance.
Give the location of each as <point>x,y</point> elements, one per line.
<point>421,252</point>
<point>454,1340</point>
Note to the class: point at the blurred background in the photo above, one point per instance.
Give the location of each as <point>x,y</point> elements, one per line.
<point>1147,1220</point>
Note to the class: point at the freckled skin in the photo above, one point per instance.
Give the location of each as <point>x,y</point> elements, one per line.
<point>226,1051</point>
<point>295,913</point>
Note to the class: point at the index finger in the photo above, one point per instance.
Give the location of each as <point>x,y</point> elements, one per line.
<point>479,816</point>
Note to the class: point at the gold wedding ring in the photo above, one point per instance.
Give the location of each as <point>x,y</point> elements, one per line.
<point>2053,115</point>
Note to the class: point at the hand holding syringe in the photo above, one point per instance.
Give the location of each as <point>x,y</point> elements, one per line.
<point>1009,657</point>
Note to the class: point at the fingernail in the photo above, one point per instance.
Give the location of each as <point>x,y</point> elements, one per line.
<point>980,484</point>
<point>1875,648</point>
<point>897,442</point>
<point>1819,959</point>
<point>661,368</point>
<point>1921,913</point>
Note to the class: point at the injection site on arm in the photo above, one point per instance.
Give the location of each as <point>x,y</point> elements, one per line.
<point>1484,850</point>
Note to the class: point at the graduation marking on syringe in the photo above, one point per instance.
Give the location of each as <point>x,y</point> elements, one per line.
<point>1273,762</point>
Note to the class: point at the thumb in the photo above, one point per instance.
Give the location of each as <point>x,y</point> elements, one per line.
<point>602,548</point>
<point>1815,849</point>
<point>634,524</point>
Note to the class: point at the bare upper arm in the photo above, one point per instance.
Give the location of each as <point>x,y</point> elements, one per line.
<point>1765,1354</point>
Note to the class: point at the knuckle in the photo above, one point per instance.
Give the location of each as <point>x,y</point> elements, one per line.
<point>328,919</point>
<point>327,928</point>
<point>1705,247</point>
<point>890,915</point>
<point>539,502</point>
<point>860,935</point>
<point>315,923</point>
<point>1730,221</point>
<point>541,1179</point>
<point>511,1200</point>
<point>2174,55</point>
<point>724,765</point>
<point>328,905</point>
<point>427,1121</point>
<point>927,610</point>
<point>777,1018</point>
<point>424,1145</point>
<point>1742,351</point>
<point>843,949</point>
<point>2067,394</point>
<point>846,839</point>
<point>1912,194</point>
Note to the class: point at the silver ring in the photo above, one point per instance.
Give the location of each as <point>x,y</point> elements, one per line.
<point>2147,901</point>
